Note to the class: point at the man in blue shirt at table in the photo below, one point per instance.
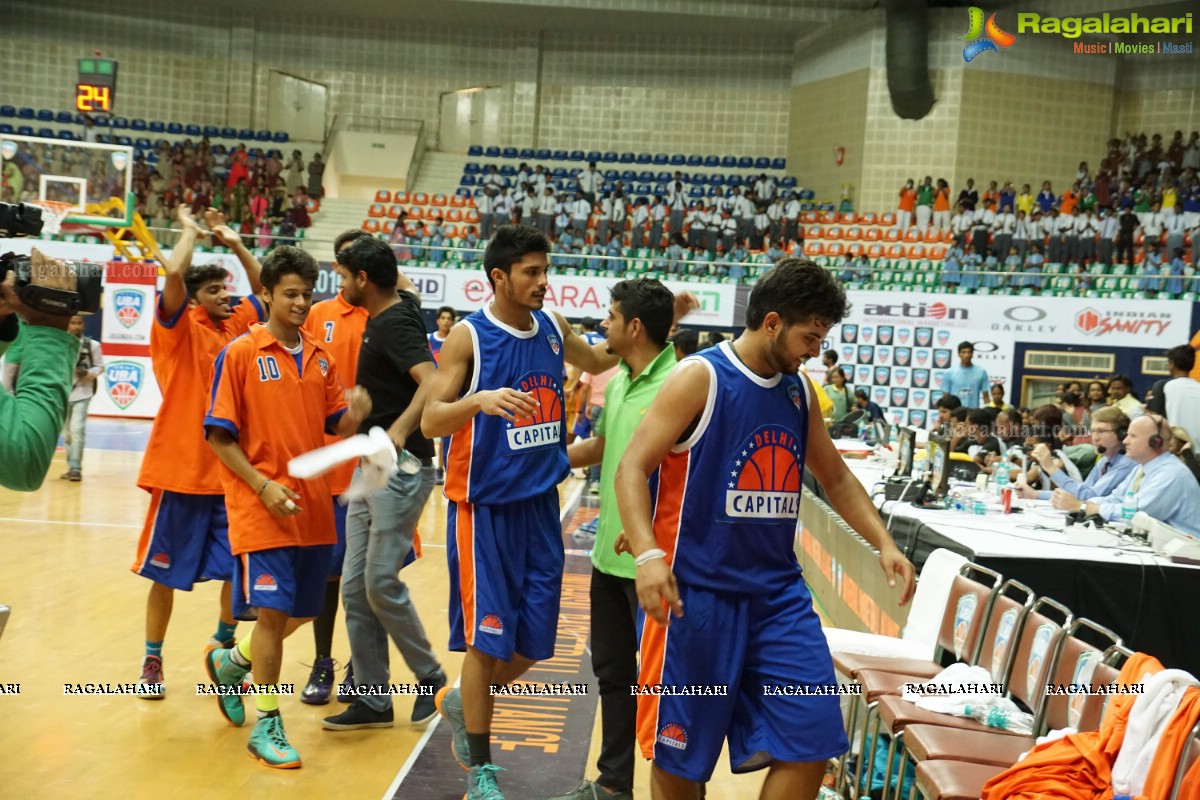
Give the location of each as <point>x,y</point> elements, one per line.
<point>1161,483</point>
<point>1109,426</point>
<point>966,381</point>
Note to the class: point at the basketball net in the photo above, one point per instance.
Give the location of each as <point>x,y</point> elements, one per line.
<point>53,214</point>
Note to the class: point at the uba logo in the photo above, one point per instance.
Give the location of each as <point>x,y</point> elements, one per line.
<point>984,37</point>
<point>765,476</point>
<point>124,382</point>
<point>127,305</point>
<point>545,427</point>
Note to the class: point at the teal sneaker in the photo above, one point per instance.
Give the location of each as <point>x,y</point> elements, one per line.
<point>228,676</point>
<point>449,705</point>
<point>269,745</point>
<point>481,783</point>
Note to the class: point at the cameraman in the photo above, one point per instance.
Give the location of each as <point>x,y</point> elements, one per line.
<point>31,418</point>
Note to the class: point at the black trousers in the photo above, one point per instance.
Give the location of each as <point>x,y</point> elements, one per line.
<point>614,661</point>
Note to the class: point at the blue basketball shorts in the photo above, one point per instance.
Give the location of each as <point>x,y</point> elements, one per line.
<point>288,579</point>
<point>185,540</point>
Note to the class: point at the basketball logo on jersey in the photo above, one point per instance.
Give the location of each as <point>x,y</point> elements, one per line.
<point>673,735</point>
<point>124,382</point>
<point>160,560</point>
<point>127,304</point>
<point>491,624</point>
<point>324,365</point>
<point>265,583</point>
<point>764,478</point>
<point>794,394</point>
<point>555,345</point>
<point>545,427</point>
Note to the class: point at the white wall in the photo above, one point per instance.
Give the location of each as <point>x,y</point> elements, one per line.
<point>359,163</point>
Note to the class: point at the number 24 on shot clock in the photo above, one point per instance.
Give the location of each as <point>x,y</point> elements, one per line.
<point>96,87</point>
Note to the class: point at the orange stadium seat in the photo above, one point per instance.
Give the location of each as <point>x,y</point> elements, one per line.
<point>834,250</point>
<point>383,196</point>
<point>912,235</point>
<point>809,217</point>
<point>848,218</point>
<point>452,231</point>
<point>377,210</point>
<point>937,252</point>
<point>370,225</point>
<point>891,235</point>
<point>896,251</point>
<point>853,234</point>
<point>867,219</point>
<point>400,197</point>
<point>873,234</point>
<point>472,216</point>
<point>855,249</point>
<point>833,233</point>
<point>933,236</point>
<point>813,249</point>
<point>416,212</point>
<point>458,201</point>
<point>916,251</point>
<point>829,218</point>
<point>438,200</point>
<point>875,251</point>
<point>454,215</point>
<point>947,236</point>
<point>394,212</point>
<point>814,232</point>
<point>420,198</point>
<point>887,219</point>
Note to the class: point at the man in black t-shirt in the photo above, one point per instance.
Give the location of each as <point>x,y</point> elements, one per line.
<point>984,441</point>
<point>394,366</point>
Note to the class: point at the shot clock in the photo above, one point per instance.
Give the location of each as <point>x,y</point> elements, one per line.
<point>96,87</point>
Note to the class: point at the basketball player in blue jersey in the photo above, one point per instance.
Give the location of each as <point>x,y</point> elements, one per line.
<point>733,428</point>
<point>497,394</point>
<point>445,321</point>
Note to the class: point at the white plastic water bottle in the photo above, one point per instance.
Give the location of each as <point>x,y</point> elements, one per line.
<point>1001,478</point>
<point>407,463</point>
<point>1128,507</point>
<point>1001,718</point>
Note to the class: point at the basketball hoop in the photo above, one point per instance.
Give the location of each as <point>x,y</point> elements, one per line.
<point>53,214</point>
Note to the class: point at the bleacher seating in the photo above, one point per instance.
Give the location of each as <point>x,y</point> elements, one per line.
<point>73,121</point>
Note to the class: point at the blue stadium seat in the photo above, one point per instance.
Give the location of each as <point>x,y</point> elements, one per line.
<point>26,113</point>
<point>729,162</point>
<point>627,158</point>
<point>660,191</point>
<point>559,174</point>
<point>593,155</point>
<point>644,189</point>
<point>779,163</point>
<point>695,161</point>
<point>609,157</point>
<point>8,111</point>
<point>762,162</point>
<point>229,133</point>
<point>104,138</point>
<point>508,152</point>
<point>558,155</point>
<point>576,155</point>
<point>508,170</point>
<point>696,192</point>
<point>745,162</point>
<point>492,152</point>
<point>246,134</point>
<point>506,183</point>
<point>192,129</point>
<point>643,158</point>
<point>716,178</point>
<point>678,160</point>
<point>660,159</point>
<point>710,161</point>
<point>175,128</point>
<point>157,127</point>
<point>808,194</point>
<point>45,115</point>
<point>6,128</point>
<point>610,174</point>
<point>66,135</point>
<point>137,124</point>
<point>212,131</point>
<point>466,180</point>
<point>628,176</point>
<point>280,137</point>
<point>699,179</point>
<point>464,191</point>
<point>64,118</point>
<point>475,150</point>
<point>662,177</point>
<point>46,133</point>
<point>152,158</point>
<point>124,141</point>
<point>120,123</point>
<point>262,136</point>
<point>525,153</point>
<point>142,144</point>
<point>471,168</point>
<point>788,182</point>
<point>542,154</point>
<point>645,176</point>
<point>101,121</point>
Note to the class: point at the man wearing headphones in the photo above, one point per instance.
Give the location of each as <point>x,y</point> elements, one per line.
<point>1109,427</point>
<point>1161,484</point>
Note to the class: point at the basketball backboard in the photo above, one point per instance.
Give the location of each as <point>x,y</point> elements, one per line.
<point>65,171</point>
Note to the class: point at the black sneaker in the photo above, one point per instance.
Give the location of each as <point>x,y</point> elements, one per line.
<point>425,709</point>
<point>359,715</point>
<point>320,683</point>
<point>345,693</point>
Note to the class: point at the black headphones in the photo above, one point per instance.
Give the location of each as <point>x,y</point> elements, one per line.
<point>1156,441</point>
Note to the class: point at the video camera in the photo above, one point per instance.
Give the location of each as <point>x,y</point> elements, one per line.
<point>19,220</point>
<point>26,220</point>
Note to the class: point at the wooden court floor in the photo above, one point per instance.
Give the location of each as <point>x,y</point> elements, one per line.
<point>78,617</point>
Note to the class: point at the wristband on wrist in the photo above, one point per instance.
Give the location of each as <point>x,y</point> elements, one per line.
<point>264,487</point>
<point>649,555</point>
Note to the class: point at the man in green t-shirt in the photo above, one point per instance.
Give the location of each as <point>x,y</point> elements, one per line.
<point>925,193</point>
<point>637,326</point>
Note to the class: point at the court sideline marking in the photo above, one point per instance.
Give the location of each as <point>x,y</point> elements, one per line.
<point>568,509</point>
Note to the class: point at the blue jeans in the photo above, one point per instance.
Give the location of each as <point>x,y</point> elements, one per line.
<point>379,535</point>
<point>75,433</point>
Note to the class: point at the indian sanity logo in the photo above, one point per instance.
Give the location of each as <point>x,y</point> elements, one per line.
<point>545,427</point>
<point>124,382</point>
<point>128,305</point>
<point>982,37</point>
<point>764,476</point>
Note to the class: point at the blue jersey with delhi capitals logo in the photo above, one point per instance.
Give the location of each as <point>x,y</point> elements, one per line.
<point>728,498</point>
<point>492,461</point>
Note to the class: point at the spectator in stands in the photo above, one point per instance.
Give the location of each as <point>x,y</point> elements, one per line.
<point>924,207</point>
<point>764,188</point>
<point>1183,447</point>
<point>502,208</point>
<point>589,183</point>
<point>1076,414</point>
<point>1004,228</point>
<point>791,216</point>
<point>996,398</point>
<point>1127,225</point>
<point>906,206</point>
<point>316,172</point>
<point>1161,484</point>
<point>992,279</point>
<point>985,446</point>
<point>686,341</point>
<point>972,265</point>
<point>677,206</point>
<point>294,176</point>
<point>1121,395</point>
<point>952,268</point>
<point>1108,429</point>
<point>838,392</point>
<point>941,205</point>
<point>1046,198</point>
<point>762,226</point>
<point>1151,269</point>
<point>968,198</point>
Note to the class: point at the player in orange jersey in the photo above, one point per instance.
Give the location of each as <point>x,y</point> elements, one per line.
<point>274,392</point>
<point>186,539</point>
